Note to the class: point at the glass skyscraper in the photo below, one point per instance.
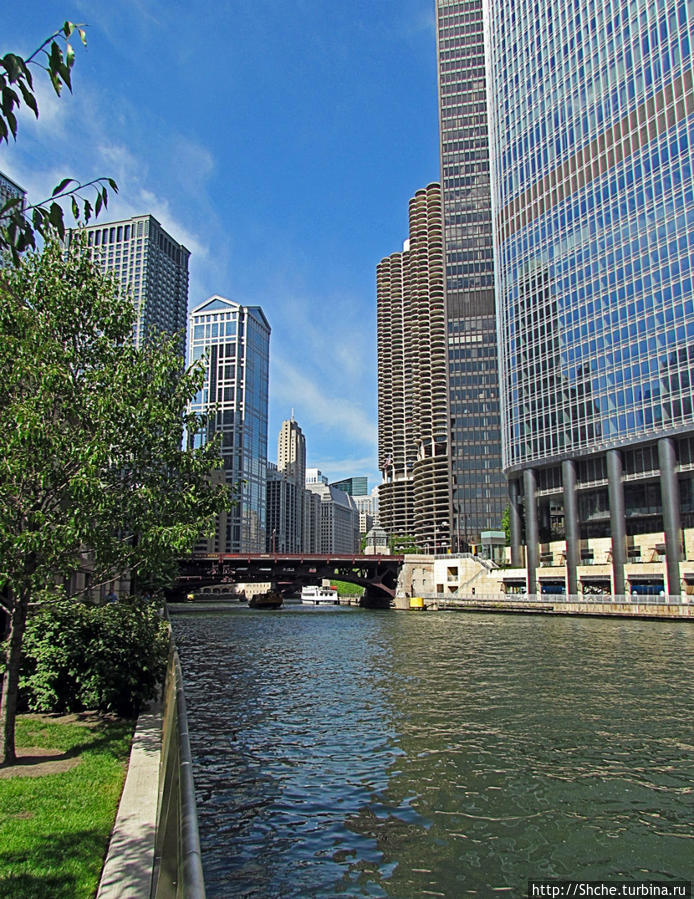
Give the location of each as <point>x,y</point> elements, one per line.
<point>234,340</point>
<point>592,128</point>
<point>478,488</point>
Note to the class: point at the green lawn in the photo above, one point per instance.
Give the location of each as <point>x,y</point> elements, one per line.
<point>54,829</point>
<point>344,588</point>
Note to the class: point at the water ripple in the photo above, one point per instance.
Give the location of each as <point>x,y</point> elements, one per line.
<point>384,754</point>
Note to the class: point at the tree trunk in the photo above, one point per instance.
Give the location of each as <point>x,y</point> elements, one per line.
<point>10,681</point>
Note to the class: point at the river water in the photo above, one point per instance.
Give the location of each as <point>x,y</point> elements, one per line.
<point>341,752</point>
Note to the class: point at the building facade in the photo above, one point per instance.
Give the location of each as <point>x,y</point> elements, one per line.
<point>478,492</point>
<point>356,486</point>
<point>339,520</point>
<point>10,190</point>
<point>234,341</point>
<point>592,130</point>
<point>414,497</point>
<point>285,491</point>
<point>152,266</point>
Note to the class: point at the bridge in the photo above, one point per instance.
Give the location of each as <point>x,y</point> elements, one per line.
<point>285,571</point>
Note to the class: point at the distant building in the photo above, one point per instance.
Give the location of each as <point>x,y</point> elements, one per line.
<point>291,467</point>
<point>315,476</point>
<point>358,486</point>
<point>376,543</point>
<point>413,450</point>
<point>339,519</point>
<point>312,522</point>
<point>151,265</point>
<point>285,505</point>
<point>234,341</point>
<point>10,190</point>
<point>368,510</point>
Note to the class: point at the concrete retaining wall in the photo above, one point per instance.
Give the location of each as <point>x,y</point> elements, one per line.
<point>154,850</point>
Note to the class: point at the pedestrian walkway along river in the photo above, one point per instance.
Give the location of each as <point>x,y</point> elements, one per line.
<point>341,752</point>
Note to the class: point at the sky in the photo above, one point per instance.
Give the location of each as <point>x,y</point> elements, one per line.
<point>280,141</point>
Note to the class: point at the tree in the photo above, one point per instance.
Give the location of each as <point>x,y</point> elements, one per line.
<point>19,225</point>
<point>91,450</point>
<point>402,544</point>
<point>506,524</point>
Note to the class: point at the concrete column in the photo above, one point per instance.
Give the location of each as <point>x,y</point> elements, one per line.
<point>670,497</point>
<point>515,522</point>
<point>568,473</point>
<point>532,551</point>
<point>615,489</point>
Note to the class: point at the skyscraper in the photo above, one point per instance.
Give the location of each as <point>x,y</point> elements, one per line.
<point>234,340</point>
<point>478,489</point>
<point>412,385</point>
<point>287,489</point>
<point>152,265</point>
<point>592,135</point>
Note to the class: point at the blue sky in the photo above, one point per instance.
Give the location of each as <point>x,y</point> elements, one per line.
<point>280,141</point>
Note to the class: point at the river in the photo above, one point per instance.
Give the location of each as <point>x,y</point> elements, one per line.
<point>342,752</point>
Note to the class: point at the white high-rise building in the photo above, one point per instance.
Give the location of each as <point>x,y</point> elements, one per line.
<point>235,342</point>
<point>291,465</point>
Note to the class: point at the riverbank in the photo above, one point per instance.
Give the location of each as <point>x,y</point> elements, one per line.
<point>662,608</point>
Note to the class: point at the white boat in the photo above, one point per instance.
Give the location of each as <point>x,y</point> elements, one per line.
<point>319,596</point>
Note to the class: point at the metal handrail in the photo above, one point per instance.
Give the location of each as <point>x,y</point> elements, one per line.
<point>590,598</point>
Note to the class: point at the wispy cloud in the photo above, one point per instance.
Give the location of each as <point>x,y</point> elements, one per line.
<point>315,405</point>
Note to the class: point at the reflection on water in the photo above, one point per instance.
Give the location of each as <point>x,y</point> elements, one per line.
<point>343,752</point>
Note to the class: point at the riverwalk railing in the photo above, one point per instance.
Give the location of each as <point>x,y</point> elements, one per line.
<point>679,603</point>
<point>178,864</point>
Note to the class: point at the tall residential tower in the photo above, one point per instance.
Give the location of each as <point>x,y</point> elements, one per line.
<point>413,444</point>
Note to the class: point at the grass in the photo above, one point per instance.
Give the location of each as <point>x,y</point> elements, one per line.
<point>344,588</point>
<point>54,829</point>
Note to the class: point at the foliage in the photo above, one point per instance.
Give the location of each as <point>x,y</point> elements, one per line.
<point>91,434</point>
<point>506,524</point>
<point>54,829</point>
<point>104,658</point>
<point>402,544</point>
<point>21,224</point>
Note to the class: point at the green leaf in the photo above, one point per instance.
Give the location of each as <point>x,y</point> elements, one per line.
<point>63,184</point>
<point>29,98</point>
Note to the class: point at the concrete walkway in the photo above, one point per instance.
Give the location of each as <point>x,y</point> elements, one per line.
<point>127,872</point>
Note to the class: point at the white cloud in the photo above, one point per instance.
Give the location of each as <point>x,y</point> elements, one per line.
<point>317,405</point>
<point>335,469</point>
